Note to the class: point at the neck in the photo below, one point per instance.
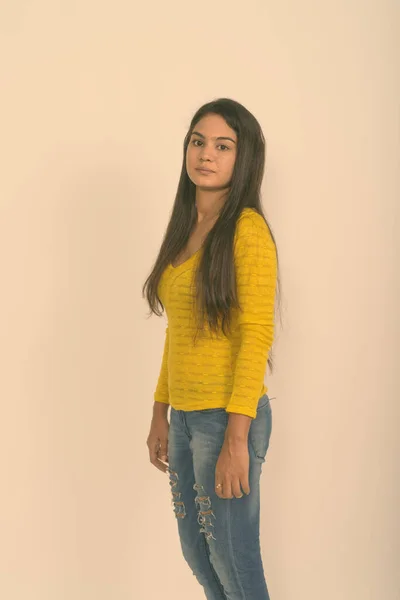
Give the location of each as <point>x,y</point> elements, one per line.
<point>209,203</point>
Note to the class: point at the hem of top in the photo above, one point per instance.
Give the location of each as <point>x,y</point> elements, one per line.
<point>227,406</point>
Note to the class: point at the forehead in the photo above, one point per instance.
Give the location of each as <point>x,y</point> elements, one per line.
<point>214,126</point>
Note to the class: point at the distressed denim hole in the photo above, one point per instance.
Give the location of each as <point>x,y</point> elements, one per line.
<point>179,506</point>
<point>205,516</point>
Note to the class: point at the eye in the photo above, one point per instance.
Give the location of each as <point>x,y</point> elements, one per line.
<point>194,142</point>
<point>223,147</point>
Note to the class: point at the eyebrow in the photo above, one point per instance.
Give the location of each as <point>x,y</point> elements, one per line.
<point>218,138</point>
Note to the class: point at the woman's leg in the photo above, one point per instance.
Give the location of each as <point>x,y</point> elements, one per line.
<point>231,527</point>
<point>194,546</point>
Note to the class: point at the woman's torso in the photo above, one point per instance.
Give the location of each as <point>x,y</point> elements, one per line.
<point>200,375</point>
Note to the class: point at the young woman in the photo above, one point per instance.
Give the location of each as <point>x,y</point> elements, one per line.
<point>217,276</point>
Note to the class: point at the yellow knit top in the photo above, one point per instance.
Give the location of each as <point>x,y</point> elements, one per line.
<point>219,371</point>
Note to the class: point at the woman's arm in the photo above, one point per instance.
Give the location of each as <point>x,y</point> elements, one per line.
<point>256,272</point>
<point>256,268</point>
<point>157,441</point>
<point>161,393</point>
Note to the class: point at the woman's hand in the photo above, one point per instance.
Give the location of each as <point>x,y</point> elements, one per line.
<point>232,469</point>
<point>157,441</point>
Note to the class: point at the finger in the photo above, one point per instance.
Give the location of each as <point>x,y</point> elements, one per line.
<point>153,454</point>
<point>227,489</point>
<point>160,466</point>
<point>162,458</point>
<point>163,450</point>
<point>218,484</point>
<point>218,488</point>
<point>244,482</point>
<point>153,449</point>
<point>236,490</point>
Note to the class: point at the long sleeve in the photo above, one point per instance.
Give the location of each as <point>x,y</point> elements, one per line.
<point>161,393</point>
<point>256,271</point>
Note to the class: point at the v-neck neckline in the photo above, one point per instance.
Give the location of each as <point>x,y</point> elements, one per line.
<point>185,262</point>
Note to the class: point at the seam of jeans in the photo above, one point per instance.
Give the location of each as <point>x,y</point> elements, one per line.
<point>231,550</point>
<point>184,424</point>
<point>217,581</point>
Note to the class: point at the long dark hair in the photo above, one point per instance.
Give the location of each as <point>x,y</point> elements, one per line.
<point>215,283</point>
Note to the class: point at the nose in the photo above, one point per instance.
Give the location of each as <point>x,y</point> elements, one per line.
<point>206,153</point>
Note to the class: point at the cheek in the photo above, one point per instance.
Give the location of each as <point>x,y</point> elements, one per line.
<point>229,164</point>
<point>190,156</point>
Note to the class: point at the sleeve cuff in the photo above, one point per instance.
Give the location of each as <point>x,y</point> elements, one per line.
<point>161,399</point>
<point>242,410</point>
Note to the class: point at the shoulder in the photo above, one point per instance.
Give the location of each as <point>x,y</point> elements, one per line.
<point>252,226</point>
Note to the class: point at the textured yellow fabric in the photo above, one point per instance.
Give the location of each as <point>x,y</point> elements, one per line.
<point>221,372</point>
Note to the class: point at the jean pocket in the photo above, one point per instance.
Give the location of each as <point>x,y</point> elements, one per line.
<point>263,402</point>
<point>261,428</point>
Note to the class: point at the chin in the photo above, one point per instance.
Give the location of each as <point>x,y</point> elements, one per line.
<point>205,181</point>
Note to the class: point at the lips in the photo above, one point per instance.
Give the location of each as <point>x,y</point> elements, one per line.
<point>205,170</point>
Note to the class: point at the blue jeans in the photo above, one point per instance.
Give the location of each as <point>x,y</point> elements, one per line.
<point>220,538</point>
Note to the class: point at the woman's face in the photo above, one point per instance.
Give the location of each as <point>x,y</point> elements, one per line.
<point>212,146</point>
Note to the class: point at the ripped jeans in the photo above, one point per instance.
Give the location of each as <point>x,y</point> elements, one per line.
<point>219,538</point>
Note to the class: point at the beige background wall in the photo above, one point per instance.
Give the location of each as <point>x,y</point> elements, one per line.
<point>95,101</point>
